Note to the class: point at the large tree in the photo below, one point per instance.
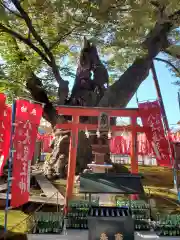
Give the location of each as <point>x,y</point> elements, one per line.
<point>40,42</point>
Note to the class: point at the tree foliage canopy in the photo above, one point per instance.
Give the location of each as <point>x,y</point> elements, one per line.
<point>44,37</point>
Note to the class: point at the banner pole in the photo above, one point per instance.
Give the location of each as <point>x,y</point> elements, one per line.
<point>177,172</point>
<point>11,152</point>
<point>159,95</point>
<point>178,99</point>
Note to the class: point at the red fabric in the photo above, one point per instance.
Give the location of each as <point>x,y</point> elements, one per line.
<point>119,144</point>
<point>151,117</point>
<point>134,197</point>
<point>39,137</point>
<point>122,145</point>
<point>2,102</point>
<point>46,140</point>
<point>28,117</point>
<point>144,147</point>
<point>5,132</point>
<point>174,137</point>
<point>129,145</point>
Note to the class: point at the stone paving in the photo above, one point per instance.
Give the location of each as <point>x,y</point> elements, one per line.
<point>83,235</point>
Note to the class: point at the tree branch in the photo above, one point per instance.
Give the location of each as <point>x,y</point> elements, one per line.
<point>172,54</point>
<point>30,27</point>
<point>26,41</point>
<point>169,63</point>
<point>106,5</point>
<point>63,85</point>
<point>120,93</point>
<point>35,87</point>
<point>175,18</point>
<point>60,38</point>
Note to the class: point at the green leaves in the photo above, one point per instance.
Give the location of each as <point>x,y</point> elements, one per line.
<point>117,28</point>
<point>3,14</point>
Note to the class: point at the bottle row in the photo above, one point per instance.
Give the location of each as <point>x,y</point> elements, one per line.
<point>140,217</point>
<point>75,212</point>
<point>83,204</point>
<point>137,204</point>
<point>47,227</point>
<point>82,223</point>
<point>107,212</point>
<point>169,222</point>
<point>142,227</point>
<point>143,211</point>
<point>77,223</point>
<point>168,232</point>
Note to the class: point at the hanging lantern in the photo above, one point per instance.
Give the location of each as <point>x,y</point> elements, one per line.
<point>87,133</point>
<point>98,134</point>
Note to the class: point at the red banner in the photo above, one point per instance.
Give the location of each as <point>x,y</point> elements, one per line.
<point>28,117</point>
<point>2,102</point>
<point>5,132</point>
<point>150,113</point>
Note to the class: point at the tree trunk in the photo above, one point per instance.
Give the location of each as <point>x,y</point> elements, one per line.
<point>34,85</point>
<point>57,166</point>
<point>121,92</point>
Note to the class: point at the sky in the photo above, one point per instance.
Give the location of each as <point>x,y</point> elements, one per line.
<point>169,91</point>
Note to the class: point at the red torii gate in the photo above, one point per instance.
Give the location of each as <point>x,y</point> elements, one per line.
<point>74,126</point>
